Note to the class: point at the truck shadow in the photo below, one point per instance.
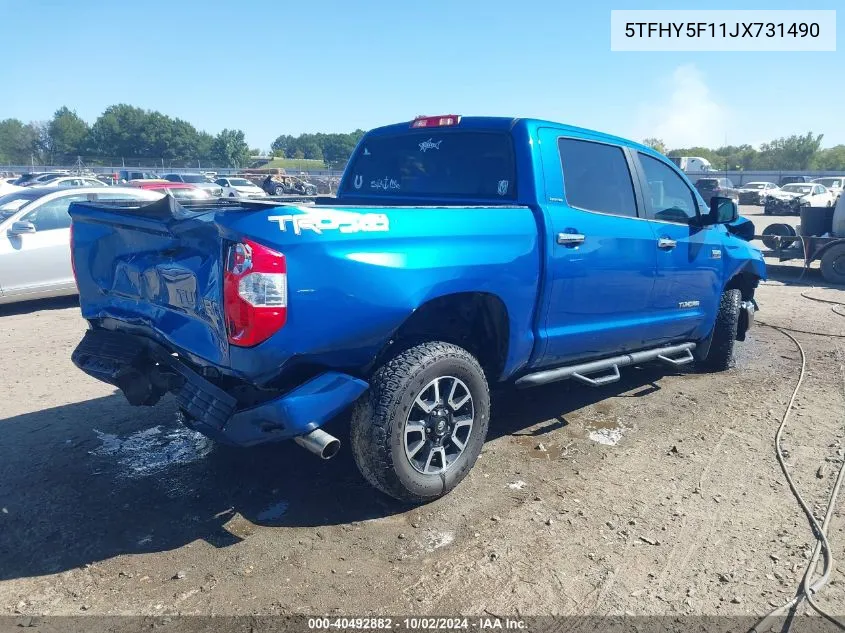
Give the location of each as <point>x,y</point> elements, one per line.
<point>792,275</point>
<point>28,307</point>
<point>89,481</point>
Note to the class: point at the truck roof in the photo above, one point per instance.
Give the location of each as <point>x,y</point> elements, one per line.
<point>506,124</point>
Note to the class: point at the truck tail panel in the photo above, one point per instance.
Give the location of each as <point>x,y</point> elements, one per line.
<point>155,269</point>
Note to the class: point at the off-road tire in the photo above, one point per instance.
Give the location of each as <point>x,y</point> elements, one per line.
<point>720,355</point>
<point>378,421</point>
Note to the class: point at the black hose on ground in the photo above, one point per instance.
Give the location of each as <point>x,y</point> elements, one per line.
<point>807,590</point>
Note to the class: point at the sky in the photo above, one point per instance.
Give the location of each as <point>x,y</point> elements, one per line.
<point>280,67</point>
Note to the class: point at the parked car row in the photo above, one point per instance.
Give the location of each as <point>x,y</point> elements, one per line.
<point>793,193</point>
<point>789,199</point>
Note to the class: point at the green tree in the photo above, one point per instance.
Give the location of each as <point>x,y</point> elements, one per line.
<point>117,132</point>
<point>830,159</point>
<point>230,148</point>
<point>791,152</point>
<point>283,145</point>
<point>741,157</point>
<point>66,134</point>
<point>337,148</point>
<point>18,141</point>
<point>205,142</point>
<point>656,144</point>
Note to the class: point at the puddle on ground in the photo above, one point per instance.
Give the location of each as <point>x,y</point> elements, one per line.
<point>608,437</point>
<point>435,540</point>
<point>597,424</point>
<point>540,447</point>
<point>152,450</point>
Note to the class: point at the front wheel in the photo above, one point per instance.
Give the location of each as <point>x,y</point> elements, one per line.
<point>720,355</point>
<point>420,428</point>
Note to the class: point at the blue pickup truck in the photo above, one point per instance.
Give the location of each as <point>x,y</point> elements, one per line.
<point>459,252</point>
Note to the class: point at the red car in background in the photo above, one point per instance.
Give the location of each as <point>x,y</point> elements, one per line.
<point>179,190</point>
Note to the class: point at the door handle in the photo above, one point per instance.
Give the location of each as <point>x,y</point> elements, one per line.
<point>666,243</point>
<point>570,239</point>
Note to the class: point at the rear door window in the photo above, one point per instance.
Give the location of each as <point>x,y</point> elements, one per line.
<point>437,164</point>
<point>596,177</point>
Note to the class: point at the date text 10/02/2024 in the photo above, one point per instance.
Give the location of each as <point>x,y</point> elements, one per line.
<point>418,623</point>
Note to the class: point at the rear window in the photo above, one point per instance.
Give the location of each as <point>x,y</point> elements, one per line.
<point>434,164</point>
<point>707,183</point>
<point>194,178</point>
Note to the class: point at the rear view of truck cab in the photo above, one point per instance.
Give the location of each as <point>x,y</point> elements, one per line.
<point>459,252</point>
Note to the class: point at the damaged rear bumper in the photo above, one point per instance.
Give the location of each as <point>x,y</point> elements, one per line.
<point>145,370</point>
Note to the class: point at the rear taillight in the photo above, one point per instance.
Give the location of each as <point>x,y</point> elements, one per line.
<point>255,293</point>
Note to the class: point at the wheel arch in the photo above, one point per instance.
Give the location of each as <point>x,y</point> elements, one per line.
<point>746,281</point>
<point>475,321</point>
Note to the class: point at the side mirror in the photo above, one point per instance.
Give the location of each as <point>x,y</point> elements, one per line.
<point>19,228</point>
<point>722,211</point>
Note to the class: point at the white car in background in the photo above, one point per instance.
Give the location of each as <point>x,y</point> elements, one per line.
<point>240,188</point>
<point>835,184</point>
<point>756,192</point>
<point>35,238</point>
<point>810,193</point>
<point>72,181</point>
<point>201,181</point>
<point>7,186</point>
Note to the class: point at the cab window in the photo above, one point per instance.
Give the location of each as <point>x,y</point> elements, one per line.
<point>596,177</point>
<point>670,198</point>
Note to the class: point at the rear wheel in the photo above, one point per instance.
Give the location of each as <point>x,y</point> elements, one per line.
<point>279,190</point>
<point>833,264</point>
<point>422,425</point>
<point>720,355</point>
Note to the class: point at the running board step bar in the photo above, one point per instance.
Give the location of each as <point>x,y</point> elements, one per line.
<point>606,371</point>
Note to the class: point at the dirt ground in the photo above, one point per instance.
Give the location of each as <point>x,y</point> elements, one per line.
<point>659,494</point>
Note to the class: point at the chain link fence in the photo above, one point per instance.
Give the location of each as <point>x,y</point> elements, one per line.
<point>112,165</point>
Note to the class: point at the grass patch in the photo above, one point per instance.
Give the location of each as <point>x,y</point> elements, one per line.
<point>294,164</point>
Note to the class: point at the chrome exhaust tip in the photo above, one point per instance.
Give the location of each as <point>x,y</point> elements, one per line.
<point>320,443</point>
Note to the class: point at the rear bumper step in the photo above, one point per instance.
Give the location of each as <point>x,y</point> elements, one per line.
<point>145,370</point>
<point>607,371</point>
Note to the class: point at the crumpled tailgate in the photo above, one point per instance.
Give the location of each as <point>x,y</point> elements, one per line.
<point>155,270</point>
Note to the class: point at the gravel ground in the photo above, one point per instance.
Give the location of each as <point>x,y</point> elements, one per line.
<point>659,494</point>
